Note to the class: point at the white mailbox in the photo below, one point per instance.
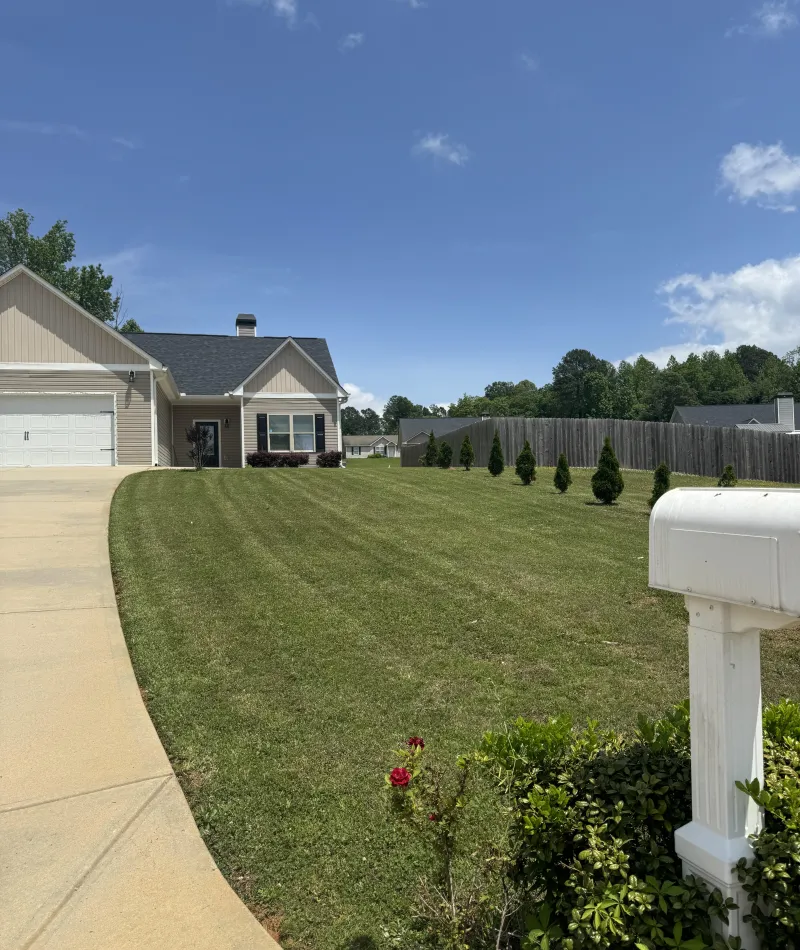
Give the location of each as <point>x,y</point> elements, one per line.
<point>734,553</point>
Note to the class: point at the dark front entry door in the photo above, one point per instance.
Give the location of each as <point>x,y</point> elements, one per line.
<point>212,455</point>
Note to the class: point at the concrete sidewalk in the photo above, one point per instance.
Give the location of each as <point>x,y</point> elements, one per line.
<point>98,848</point>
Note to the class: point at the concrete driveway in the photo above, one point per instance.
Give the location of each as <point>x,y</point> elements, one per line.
<point>98,848</point>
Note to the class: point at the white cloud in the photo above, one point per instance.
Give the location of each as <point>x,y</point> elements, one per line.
<point>361,399</point>
<point>60,129</point>
<point>530,64</point>
<point>287,9</point>
<point>350,42</point>
<point>771,19</point>
<point>442,148</point>
<point>757,304</point>
<point>765,174</point>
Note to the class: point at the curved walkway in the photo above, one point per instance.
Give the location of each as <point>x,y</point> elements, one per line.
<point>98,848</point>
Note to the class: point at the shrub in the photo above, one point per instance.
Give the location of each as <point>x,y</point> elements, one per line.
<point>376,455</point>
<point>467,456</point>
<point>200,439</point>
<point>728,478</point>
<point>660,482</point>
<point>607,483</point>
<point>585,855</point>
<point>329,459</point>
<point>526,464</point>
<point>563,477</point>
<point>431,452</point>
<point>445,456</point>
<point>277,459</point>
<point>496,461</point>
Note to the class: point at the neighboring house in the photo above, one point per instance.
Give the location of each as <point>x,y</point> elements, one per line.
<point>74,391</point>
<point>782,415</point>
<point>361,446</point>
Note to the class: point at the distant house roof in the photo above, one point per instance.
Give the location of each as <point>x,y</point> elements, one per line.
<point>412,428</point>
<point>207,364</point>
<point>730,415</point>
<point>368,439</point>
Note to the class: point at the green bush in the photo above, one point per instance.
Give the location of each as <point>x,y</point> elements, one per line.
<point>376,455</point>
<point>607,483</point>
<point>445,456</point>
<point>661,478</point>
<point>584,856</point>
<point>431,452</point>
<point>467,456</point>
<point>563,477</point>
<point>728,478</point>
<point>496,461</point>
<point>526,464</point>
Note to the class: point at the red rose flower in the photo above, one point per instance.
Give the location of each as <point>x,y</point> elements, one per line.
<point>416,743</point>
<point>433,817</point>
<point>399,777</point>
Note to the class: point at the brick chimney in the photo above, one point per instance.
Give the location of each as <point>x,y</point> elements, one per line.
<point>784,409</point>
<point>246,324</point>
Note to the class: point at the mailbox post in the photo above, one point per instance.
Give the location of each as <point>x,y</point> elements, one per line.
<point>734,554</point>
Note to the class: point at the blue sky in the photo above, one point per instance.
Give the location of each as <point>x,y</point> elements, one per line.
<point>452,192</point>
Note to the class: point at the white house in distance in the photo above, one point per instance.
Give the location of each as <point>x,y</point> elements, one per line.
<point>362,446</point>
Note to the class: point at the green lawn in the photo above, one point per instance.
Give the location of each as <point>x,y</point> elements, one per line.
<point>289,628</point>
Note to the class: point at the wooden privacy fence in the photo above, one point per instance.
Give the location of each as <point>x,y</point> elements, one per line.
<point>693,450</point>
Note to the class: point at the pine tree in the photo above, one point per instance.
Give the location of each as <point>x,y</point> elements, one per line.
<point>431,452</point>
<point>496,461</point>
<point>563,477</point>
<point>660,482</point>
<point>728,478</point>
<point>607,483</point>
<point>445,456</point>
<point>467,456</point>
<point>526,464</point>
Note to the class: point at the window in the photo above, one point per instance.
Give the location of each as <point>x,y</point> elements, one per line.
<point>303,433</point>
<point>355,450</point>
<point>279,433</point>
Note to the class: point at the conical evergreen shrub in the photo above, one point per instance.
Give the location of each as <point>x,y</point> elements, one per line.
<point>526,464</point>
<point>496,461</point>
<point>445,456</point>
<point>660,482</point>
<point>563,477</point>
<point>467,457</point>
<point>431,452</point>
<point>607,483</point>
<point>728,478</point>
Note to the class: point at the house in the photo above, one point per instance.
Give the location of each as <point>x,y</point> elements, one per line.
<point>781,415</point>
<point>74,391</point>
<point>361,446</point>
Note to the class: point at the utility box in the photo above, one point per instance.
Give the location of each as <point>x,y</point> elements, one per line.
<point>736,545</point>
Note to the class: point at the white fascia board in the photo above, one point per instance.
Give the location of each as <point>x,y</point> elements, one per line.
<point>289,395</point>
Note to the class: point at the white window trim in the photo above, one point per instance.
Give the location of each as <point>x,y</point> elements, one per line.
<point>219,437</point>
<point>291,416</point>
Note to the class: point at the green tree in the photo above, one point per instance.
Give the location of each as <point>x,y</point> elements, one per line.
<point>751,359</point>
<point>397,408</point>
<point>49,257</point>
<point>607,482</point>
<point>495,390</point>
<point>351,421</point>
<point>467,456</point>
<point>445,456</point>
<point>526,465</point>
<point>728,478</point>
<point>563,477</point>
<point>496,461</point>
<point>431,452</point>
<point>661,479</point>
<point>574,385</point>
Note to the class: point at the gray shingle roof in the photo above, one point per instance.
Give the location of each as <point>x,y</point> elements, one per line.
<point>368,439</point>
<point>409,428</point>
<point>208,365</point>
<point>728,415</point>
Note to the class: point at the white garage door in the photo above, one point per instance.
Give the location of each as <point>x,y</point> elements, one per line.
<point>56,430</point>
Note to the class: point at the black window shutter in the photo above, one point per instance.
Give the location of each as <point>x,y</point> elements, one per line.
<point>262,432</point>
<point>319,430</point>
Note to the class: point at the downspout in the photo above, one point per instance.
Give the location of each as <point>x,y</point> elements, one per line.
<point>244,464</point>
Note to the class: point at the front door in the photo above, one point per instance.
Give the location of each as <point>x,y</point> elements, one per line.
<point>212,453</point>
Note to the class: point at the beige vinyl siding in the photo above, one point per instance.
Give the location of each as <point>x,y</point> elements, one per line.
<point>185,414</point>
<point>253,407</point>
<point>289,372</point>
<point>133,402</point>
<point>37,326</point>
<point>164,424</point>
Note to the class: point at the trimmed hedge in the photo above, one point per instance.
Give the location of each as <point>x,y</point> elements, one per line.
<point>329,459</point>
<point>277,459</point>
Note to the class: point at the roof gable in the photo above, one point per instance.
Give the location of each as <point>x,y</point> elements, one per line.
<point>287,344</point>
